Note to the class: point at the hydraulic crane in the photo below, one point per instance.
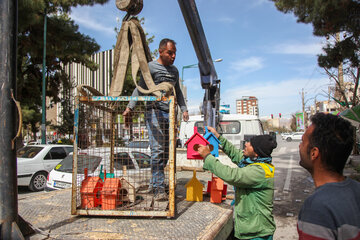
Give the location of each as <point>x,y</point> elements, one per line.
<point>10,221</point>
<point>208,76</point>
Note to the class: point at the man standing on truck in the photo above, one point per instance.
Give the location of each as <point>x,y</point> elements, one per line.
<point>253,182</point>
<point>333,210</point>
<point>157,114</point>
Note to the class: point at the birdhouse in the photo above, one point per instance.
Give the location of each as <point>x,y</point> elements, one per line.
<point>110,193</point>
<point>210,137</point>
<point>90,187</point>
<point>127,191</point>
<point>217,189</point>
<point>194,189</point>
<point>195,139</point>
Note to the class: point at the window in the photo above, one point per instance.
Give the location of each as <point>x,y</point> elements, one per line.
<point>89,162</point>
<point>226,127</point>
<point>84,161</point>
<point>55,153</point>
<point>142,159</point>
<point>28,152</point>
<point>123,159</point>
<point>229,127</point>
<point>138,144</point>
<point>69,149</point>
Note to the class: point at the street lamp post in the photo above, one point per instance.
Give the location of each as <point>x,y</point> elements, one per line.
<point>43,121</point>
<point>194,66</point>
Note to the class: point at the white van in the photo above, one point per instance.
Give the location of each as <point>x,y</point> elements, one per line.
<point>237,128</point>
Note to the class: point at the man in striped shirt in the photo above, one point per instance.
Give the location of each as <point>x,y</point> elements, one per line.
<point>333,210</point>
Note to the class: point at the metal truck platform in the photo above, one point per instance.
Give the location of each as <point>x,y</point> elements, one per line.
<point>49,214</point>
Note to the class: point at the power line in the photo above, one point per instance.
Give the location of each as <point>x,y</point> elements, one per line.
<point>312,74</point>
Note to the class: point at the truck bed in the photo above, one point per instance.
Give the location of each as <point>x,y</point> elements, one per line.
<point>49,212</point>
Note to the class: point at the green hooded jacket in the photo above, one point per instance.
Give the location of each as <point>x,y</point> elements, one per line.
<point>254,192</point>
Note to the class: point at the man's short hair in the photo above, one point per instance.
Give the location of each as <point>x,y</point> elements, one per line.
<point>164,42</point>
<point>333,136</point>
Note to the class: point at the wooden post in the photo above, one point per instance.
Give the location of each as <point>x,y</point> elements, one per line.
<point>172,149</point>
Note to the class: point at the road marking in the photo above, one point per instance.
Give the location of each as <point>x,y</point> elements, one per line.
<point>288,175</point>
<point>282,150</point>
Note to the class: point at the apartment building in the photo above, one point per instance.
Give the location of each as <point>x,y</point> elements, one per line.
<point>247,105</point>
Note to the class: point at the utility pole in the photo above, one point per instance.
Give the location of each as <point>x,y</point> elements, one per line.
<point>339,89</point>
<point>303,107</point>
<point>8,185</point>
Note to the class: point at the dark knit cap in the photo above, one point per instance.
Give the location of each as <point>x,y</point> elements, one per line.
<point>263,145</point>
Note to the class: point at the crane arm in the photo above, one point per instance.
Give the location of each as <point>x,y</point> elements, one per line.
<point>208,75</point>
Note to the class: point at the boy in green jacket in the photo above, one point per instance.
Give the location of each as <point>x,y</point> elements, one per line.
<point>253,182</point>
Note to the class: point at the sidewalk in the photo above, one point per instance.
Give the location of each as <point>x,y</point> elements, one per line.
<point>350,168</point>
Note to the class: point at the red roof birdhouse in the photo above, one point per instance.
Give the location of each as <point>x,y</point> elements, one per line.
<point>217,189</point>
<point>195,139</point>
<point>90,187</point>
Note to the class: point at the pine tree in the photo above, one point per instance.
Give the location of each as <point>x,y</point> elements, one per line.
<point>64,44</point>
<point>339,22</point>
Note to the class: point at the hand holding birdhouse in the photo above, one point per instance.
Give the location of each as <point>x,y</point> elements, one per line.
<point>213,131</point>
<point>203,150</point>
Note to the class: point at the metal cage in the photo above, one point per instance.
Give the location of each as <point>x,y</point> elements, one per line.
<point>112,167</point>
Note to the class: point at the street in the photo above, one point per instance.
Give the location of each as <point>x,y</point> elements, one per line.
<point>292,186</point>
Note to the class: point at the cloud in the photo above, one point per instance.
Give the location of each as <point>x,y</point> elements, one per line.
<point>259,2</point>
<point>194,109</point>
<point>253,3</point>
<point>226,20</point>
<point>247,65</point>
<point>193,83</point>
<point>274,97</point>
<point>298,48</point>
<point>88,20</point>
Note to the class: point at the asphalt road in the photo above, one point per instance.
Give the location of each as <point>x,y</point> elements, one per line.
<point>293,185</point>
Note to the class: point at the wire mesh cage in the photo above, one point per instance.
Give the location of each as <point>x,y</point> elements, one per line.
<point>122,169</point>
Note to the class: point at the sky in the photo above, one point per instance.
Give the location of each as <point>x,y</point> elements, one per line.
<point>265,52</point>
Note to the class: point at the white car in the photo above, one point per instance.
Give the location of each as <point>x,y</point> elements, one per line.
<point>294,136</point>
<point>34,162</point>
<point>137,163</point>
<point>284,135</point>
<point>139,144</point>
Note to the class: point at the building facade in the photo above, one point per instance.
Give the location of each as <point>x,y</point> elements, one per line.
<point>247,105</point>
<point>99,79</point>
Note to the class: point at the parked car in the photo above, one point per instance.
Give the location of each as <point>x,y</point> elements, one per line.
<point>61,176</point>
<point>284,135</point>
<point>294,136</point>
<point>34,162</point>
<point>33,143</point>
<point>138,144</point>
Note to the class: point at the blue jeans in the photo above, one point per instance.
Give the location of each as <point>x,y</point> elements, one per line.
<point>157,123</point>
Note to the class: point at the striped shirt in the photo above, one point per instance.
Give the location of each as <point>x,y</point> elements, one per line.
<point>332,212</point>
